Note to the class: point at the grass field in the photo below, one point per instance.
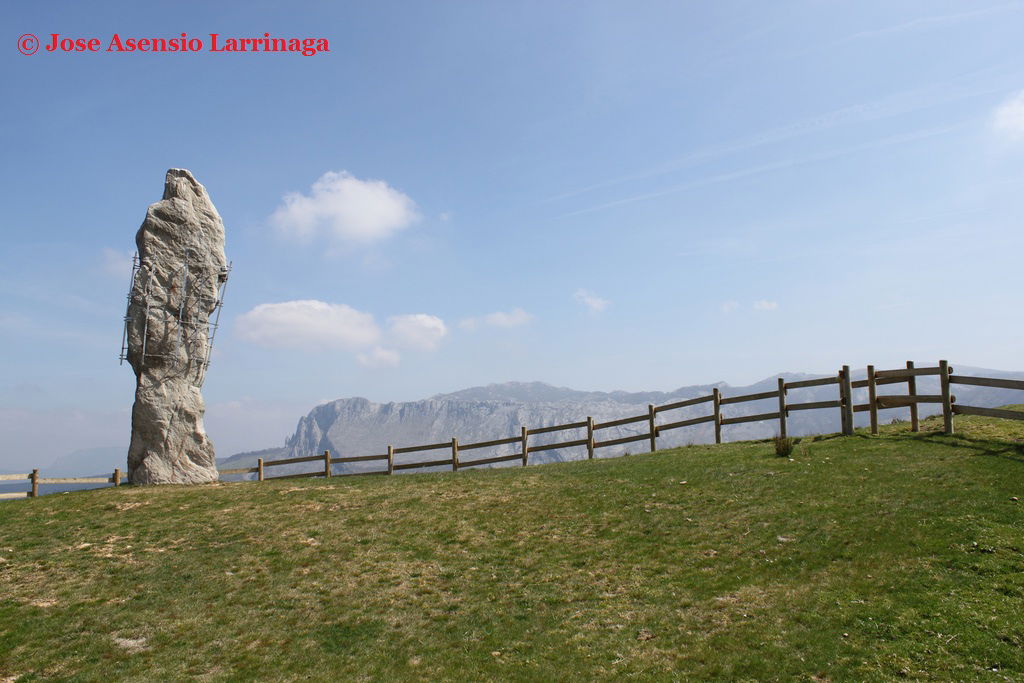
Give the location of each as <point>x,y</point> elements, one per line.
<point>860,558</point>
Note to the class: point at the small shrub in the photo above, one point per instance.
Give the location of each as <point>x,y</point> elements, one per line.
<point>783,446</point>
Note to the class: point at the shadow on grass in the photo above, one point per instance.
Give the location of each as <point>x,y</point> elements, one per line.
<point>998,448</point>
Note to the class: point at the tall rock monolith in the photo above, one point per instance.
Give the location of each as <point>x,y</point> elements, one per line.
<point>174,292</point>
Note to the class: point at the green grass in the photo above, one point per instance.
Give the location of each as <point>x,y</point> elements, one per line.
<point>861,558</point>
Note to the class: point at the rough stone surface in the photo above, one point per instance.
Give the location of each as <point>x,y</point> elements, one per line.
<point>182,263</point>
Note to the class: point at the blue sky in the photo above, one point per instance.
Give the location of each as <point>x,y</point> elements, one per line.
<point>602,195</point>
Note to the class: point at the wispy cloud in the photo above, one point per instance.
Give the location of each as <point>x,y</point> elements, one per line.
<point>729,306</point>
<point>961,87</point>
<point>776,166</point>
<point>936,21</point>
<point>765,305</point>
<point>1008,118</point>
<point>516,317</point>
<point>590,300</point>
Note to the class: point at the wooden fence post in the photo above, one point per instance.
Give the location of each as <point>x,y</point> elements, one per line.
<point>259,469</point>
<point>590,438</point>
<point>35,483</point>
<point>654,431</point>
<point>912,391</point>
<point>455,454</point>
<point>782,408</point>
<point>391,459</point>
<point>872,398</point>
<point>526,451</point>
<point>842,403</point>
<point>717,400</point>
<point>947,403</point>
<point>327,464</point>
<point>848,396</point>
<point>117,476</point>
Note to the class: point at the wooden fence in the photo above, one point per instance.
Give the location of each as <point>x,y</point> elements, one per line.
<point>35,480</point>
<point>454,456</point>
<point>454,451</point>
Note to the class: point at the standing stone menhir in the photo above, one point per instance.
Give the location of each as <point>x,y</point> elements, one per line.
<point>176,288</point>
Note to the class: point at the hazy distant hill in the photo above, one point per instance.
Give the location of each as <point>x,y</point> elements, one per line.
<point>88,462</point>
<point>249,458</point>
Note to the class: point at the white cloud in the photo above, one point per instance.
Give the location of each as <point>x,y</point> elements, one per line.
<point>514,318</point>
<point>117,263</point>
<point>592,301</point>
<point>417,331</point>
<point>312,325</point>
<point>378,357</point>
<point>1008,118</point>
<point>345,209</point>
<point>730,306</point>
<point>763,305</point>
<point>308,325</point>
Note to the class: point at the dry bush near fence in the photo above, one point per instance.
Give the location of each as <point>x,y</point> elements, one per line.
<point>783,446</point>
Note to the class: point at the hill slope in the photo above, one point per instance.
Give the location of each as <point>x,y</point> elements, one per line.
<point>860,558</point>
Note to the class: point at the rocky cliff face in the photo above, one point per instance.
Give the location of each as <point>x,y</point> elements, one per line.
<point>356,426</point>
<point>182,265</point>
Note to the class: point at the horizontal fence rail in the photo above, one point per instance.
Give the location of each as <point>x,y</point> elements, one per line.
<point>488,461</point>
<point>652,430</point>
<point>36,481</point>
<point>240,470</point>
<point>824,381</point>
<point>292,461</point>
<point>814,405</point>
<point>988,382</point>
<point>553,446</point>
<point>684,404</point>
<point>989,412</point>
<point>623,421</point>
<point>750,418</point>
<point>359,458</point>
<point>485,444</point>
<point>749,397</point>
<point>685,423</point>
<point>557,428</point>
